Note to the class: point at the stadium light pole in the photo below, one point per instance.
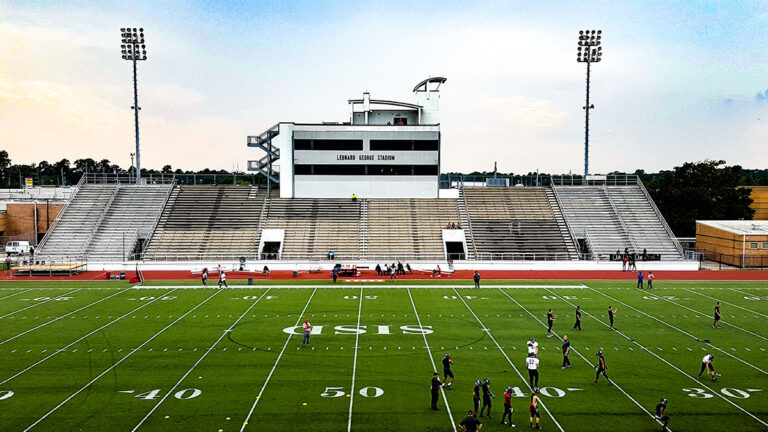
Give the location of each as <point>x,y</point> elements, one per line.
<point>133,49</point>
<point>589,51</point>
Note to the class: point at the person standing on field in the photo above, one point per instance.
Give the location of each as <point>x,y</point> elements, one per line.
<point>640,280</point>
<point>566,351</point>
<point>436,385</point>
<point>223,280</point>
<point>611,312</point>
<point>651,277</point>
<point>204,277</point>
<point>578,318</point>
<point>307,327</point>
<point>476,278</point>
<point>718,315</point>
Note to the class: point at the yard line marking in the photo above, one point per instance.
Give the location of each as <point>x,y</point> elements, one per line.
<point>114,365</point>
<point>722,321</point>
<point>274,366</point>
<point>20,292</point>
<point>728,303</point>
<point>82,338</point>
<point>432,360</point>
<point>63,316</point>
<point>584,358</point>
<point>354,363</point>
<point>211,348</point>
<point>488,332</point>
<point>668,363</point>
<point>742,292</point>
<point>681,331</point>
<point>39,303</point>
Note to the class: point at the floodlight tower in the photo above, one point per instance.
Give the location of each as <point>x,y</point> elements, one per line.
<point>589,52</point>
<point>133,49</point>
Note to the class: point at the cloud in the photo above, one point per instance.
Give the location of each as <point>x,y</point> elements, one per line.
<point>762,96</point>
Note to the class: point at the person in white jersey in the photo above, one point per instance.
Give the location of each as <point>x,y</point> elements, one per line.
<point>532,364</point>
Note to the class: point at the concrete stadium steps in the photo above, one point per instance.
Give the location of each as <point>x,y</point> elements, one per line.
<point>201,222</point>
<point>73,232</point>
<point>615,218</point>
<point>643,224</point>
<point>315,226</point>
<point>517,223</point>
<point>133,212</point>
<point>408,228</point>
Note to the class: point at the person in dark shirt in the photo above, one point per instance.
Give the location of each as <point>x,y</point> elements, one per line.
<point>476,394</point>
<point>471,423</point>
<point>447,362</point>
<point>476,278</point>
<point>378,269</point>
<point>716,324</point>
<point>507,407</point>
<point>661,407</point>
<point>533,408</point>
<point>601,368</point>
<point>550,320</point>
<point>204,277</point>
<point>487,395</point>
<point>566,351</point>
<point>611,312</point>
<point>436,384</point>
<point>578,318</point>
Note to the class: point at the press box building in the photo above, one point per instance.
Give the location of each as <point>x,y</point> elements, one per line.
<point>388,149</point>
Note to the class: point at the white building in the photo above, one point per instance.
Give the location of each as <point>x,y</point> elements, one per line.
<point>388,149</point>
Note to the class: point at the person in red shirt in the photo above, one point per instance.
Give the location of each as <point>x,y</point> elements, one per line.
<point>507,407</point>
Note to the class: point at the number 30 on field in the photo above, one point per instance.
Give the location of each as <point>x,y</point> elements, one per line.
<point>334,392</point>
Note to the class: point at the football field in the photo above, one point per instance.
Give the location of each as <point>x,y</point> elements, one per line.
<point>168,356</point>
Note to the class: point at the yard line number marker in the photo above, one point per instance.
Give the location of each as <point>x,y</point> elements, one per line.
<point>20,292</point>
<point>39,303</point>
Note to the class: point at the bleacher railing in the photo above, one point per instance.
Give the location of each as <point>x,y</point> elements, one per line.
<point>103,214</point>
<point>607,180</point>
<point>568,225</point>
<point>63,210</point>
<point>117,178</point>
<point>383,258</point>
<point>656,210</point>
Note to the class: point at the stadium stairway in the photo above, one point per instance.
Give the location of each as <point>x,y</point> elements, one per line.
<point>208,222</point>
<point>515,223</point>
<point>132,215</point>
<point>75,226</point>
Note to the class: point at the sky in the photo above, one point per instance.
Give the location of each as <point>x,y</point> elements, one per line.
<point>678,81</point>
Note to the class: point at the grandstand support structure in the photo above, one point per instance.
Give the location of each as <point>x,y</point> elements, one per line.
<point>660,216</point>
<point>264,165</point>
<point>61,213</point>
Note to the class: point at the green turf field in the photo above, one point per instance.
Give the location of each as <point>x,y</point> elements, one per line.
<point>105,356</point>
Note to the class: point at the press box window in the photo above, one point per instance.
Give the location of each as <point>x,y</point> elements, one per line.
<point>753,245</point>
<point>765,245</point>
<point>302,144</point>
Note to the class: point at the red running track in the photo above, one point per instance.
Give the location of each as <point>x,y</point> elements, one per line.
<point>705,275</point>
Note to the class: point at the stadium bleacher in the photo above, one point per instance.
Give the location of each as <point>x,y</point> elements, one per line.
<point>517,223</point>
<point>207,222</point>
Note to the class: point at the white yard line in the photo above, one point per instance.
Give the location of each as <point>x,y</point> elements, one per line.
<point>712,316</point>
<point>680,330</point>
<point>487,331</point>
<point>432,360</point>
<point>728,303</point>
<point>669,364</point>
<point>742,292</point>
<point>14,294</point>
<point>81,338</point>
<point>39,303</point>
<point>373,286</point>
<point>205,354</point>
<point>114,365</point>
<point>354,363</point>
<point>274,366</point>
<point>63,316</point>
<point>583,358</point>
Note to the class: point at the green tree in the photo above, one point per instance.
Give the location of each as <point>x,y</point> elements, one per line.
<point>700,191</point>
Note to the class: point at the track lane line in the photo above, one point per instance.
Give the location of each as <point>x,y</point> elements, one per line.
<point>488,332</point>
<point>63,316</point>
<point>274,366</point>
<point>584,358</point>
<point>667,362</point>
<point>680,330</point>
<point>205,354</point>
<point>432,360</point>
<point>82,338</point>
<point>122,359</point>
<point>39,303</point>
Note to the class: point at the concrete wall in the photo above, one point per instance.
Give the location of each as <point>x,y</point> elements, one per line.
<point>366,186</point>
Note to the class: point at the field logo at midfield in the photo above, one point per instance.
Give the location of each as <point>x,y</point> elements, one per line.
<point>353,330</point>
